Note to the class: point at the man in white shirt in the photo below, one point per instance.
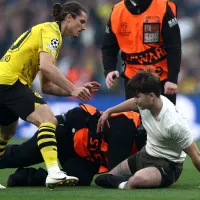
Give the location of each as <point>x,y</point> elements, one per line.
<point>160,162</point>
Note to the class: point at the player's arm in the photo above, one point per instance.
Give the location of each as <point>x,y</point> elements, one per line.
<point>48,69</point>
<point>55,83</point>
<point>194,154</point>
<point>49,45</point>
<point>47,86</point>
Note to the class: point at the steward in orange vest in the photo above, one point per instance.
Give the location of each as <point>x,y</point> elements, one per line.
<point>148,36</point>
<point>81,151</point>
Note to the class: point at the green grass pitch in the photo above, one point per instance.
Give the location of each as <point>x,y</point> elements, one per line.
<point>187,188</point>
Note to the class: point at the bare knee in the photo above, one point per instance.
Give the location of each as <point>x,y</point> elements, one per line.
<point>50,119</point>
<point>41,115</point>
<point>137,181</point>
<point>149,177</point>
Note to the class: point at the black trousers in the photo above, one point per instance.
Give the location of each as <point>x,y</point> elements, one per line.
<point>28,153</point>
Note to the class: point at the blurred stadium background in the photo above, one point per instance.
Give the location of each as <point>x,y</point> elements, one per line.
<point>80,59</point>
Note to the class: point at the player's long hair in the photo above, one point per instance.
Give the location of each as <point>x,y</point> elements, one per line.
<point>60,11</point>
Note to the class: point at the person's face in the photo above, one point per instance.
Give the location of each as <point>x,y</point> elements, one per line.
<point>144,101</point>
<point>76,25</point>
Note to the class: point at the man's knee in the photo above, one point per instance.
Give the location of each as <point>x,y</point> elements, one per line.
<point>145,178</point>
<point>41,115</point>
<point>137,181</point>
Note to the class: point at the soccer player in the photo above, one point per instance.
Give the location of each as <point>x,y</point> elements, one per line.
<point>81,151</point>
<point>169,139</point>
<point>36,51</point>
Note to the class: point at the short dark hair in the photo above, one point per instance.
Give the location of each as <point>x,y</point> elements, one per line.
<point>74,8</point>
<point>144,82</point>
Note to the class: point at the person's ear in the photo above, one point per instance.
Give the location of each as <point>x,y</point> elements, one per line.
<point>151,95</point>
<point>68,17</point>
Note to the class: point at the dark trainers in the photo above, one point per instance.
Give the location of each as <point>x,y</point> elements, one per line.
<point>21,177</point>
<point>109,180</point>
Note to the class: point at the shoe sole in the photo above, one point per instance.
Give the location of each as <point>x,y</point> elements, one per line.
<point>67,182</point>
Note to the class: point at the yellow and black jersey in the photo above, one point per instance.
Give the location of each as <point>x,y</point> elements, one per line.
<point>21,61</point>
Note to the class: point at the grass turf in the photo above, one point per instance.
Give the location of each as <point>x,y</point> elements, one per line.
<point>187,188</point>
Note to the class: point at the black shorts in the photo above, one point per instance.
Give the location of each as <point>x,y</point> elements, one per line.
<point>17,100</point>
<point>169,170</point>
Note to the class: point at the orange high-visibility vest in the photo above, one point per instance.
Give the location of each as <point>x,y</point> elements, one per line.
<point>130,114</point>
<point>139,38</point>
<point>94,149</point>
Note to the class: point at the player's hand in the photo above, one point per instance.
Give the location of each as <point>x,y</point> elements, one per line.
<point>102,120</point>
<point>81,93</point>
<point>92,86</point>
<point>170,88</point>
<point>111,78</point>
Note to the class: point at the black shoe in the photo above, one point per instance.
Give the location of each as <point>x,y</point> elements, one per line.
<point>27,177</point>
<point>19,178</point>
<point>109,180</point>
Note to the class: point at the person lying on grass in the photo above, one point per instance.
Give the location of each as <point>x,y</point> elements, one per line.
<point>81,151</point>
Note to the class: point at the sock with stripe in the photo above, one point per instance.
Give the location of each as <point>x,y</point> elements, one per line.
<point>47,144</point>
<point>3,144</point>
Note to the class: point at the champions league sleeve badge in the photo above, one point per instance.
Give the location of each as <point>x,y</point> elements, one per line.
<point>55,43</point>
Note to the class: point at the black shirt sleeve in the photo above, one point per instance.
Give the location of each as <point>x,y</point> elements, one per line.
<point>172,41</point>
<point>110,49</point>
<point>60,119</point>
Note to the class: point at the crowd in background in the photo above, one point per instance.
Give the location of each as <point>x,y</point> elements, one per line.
<point>80,59</point>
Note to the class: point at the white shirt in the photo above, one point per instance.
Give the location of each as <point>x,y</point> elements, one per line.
<point>168,133</point>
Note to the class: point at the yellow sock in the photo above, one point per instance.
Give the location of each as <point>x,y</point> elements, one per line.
<point>47,144</point>
<point>3,144</point>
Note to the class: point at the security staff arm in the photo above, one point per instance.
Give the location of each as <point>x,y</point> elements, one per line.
<point>172,41</point>
<point>110,49</point>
